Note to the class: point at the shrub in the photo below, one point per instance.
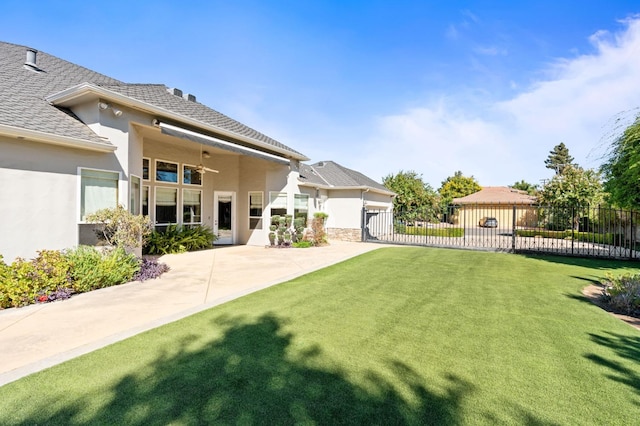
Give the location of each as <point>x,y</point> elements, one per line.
<point>27,280</point>
<point>179,239</point>
<point>92,269</point>
<point>302,244</point>
<point>120,228</point>
<point>622,293</point>
<point>317,227</point>
<point>149,269</point>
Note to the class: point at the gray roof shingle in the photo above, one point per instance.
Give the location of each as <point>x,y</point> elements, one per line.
<point>330,173</point>
<point>23,92</point>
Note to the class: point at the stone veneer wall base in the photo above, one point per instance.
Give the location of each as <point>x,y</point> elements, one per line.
<point>344,234</point>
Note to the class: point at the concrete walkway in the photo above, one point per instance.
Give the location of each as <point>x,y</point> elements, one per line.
<point>39,336</point>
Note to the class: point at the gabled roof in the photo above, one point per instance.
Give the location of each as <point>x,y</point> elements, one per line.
<point>331,175</point>
<point>497,195</point>
<point>27,96</point>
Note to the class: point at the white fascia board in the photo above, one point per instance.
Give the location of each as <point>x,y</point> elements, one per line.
<point>37,136</point>
<point>68,97</point>
<point>362,188</point>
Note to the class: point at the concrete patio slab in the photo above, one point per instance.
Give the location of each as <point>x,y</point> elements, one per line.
<point>39,336</point>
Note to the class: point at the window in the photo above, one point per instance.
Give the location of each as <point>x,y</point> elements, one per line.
<point>134,195</point>
<point>191,206</point>
<point>98,190</point>
<point>145,201</point>
<point>166,171</point>
<point>278,201</point>
<point>191,176</point>
<point>166,205</point>
<point>301,207</point>
<point>255,210</point>
<point>145,168</point>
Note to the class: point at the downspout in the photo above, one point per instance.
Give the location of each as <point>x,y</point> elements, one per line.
<point>362,195</point>
<point>363,217</point>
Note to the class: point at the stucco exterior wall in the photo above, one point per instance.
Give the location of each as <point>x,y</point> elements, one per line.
<point>470,215</point>
<point>39,200</point>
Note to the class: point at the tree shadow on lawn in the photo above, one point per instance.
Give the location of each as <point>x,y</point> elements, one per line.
<point>586,262</point>
<point>250,377</point>
<point>627,347</point>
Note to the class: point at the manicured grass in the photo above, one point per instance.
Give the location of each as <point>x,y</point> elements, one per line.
<point>433,232</point>
<point>396,336</point>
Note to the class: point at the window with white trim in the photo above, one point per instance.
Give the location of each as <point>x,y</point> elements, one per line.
<point>191,175</point>
<point>166,205</point>
<point>145,200</point>
<point>301,207</point>
<point>191,206</point>
<point>255,210</point>
<point>278,202</point>
<point>145,168</point>
<point>98,190</point>
<point>135,194</point>
<point>166,171</point>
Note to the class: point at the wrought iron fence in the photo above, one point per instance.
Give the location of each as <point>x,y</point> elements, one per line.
<point>574,231</point>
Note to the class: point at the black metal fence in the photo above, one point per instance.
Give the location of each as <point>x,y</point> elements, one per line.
<point>571,231</point>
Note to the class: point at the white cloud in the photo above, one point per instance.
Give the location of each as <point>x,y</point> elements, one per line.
<point>509,140</point>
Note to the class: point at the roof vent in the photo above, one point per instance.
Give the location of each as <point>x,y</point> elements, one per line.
<point>189,97</point>
<point>175,91</point>
<point>31,59</point>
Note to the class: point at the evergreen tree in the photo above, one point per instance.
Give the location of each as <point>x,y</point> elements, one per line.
<point>559,159</point>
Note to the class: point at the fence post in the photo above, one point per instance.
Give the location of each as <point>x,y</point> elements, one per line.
<point>632,244</point>
<point>363,222</point>
<point>513,229</point>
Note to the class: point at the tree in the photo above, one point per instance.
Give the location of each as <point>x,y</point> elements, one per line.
<point>457,186</point>
<point>413,193</point>
<point>575,187</point>
<point>622,169</point>
<point>559,159</point>
<point>568,192</point>
<point>529,188</point>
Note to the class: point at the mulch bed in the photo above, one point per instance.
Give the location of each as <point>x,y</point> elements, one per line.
<point>593,293</point>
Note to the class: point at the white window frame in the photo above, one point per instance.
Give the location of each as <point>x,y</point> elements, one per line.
<point>148,189</point>
<point>259,218</point>
<point>155,174</point>
<point>118,189</point>
<point>149,171</point>
<point>183,205</point>
<point>195,171</point>
<point>131,178</point>
<point>155,198</point>
<point>295,198</point>
<point>277,195</point>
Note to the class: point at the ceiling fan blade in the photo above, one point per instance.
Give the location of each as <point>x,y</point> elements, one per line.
<point>210,170</point>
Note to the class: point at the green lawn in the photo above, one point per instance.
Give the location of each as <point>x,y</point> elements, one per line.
<point>396,336</point>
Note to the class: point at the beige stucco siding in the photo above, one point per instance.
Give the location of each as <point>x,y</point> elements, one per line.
<point>39,200</point>
<point>470,215</point>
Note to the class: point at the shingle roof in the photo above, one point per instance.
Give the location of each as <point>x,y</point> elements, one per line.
<point>497,195</point>
<point>332,174</point>
<point>23,92</point>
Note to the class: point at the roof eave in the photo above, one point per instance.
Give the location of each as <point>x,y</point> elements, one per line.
<point>52,139</point>
<point>331,187</point>
<point>86,91</point>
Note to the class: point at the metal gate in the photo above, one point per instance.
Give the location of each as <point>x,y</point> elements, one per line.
<point>600,232</point>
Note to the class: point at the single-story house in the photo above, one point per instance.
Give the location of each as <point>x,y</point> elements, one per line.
<point>497,202</point>
<point>73,141</point>
<point>344,193</point>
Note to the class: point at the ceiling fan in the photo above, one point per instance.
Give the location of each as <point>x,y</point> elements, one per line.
<point>200,168</point>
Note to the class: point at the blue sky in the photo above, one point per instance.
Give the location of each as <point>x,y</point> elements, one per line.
<point>484,87</point>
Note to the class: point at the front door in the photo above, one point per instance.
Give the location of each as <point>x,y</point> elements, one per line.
<point>224,213</point>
